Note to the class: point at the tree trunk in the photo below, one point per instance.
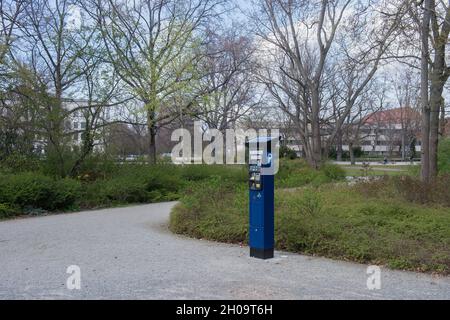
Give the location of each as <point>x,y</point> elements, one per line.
<point>442,120</point>
<point>351,151</point>
<point>435,106</point>
<point>152,146</point>
<point>438,79</point>
<point>339,146</point>
<point>152,130</point>
<point>88,146</point>
<point>307,152</point>
<point>315,128</point>
<point>425,148</point>
<point>403,150</point>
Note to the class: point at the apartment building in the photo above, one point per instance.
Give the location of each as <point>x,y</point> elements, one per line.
<point>390,132</point>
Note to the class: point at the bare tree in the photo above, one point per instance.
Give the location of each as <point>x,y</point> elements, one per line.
<point>102,94</point>
<point>13,138</point>
<point>10,13</point>
<point>424,94</point>
<point>229,63</point>
<point>406,90</point>
<point>440,72</point>
<point>431,20</point>
<point>301,37</point>
<point>52,49</point>
<point>355,129</point>
<point>154,47</point>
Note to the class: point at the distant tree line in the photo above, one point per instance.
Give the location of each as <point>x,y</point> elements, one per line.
<point>316,67</point>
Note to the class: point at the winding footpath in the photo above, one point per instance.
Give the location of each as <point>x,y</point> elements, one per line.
<point>128,253</point>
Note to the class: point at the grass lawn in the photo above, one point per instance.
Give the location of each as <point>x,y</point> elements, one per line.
<point>367,223</point>
<point>340,222</point>
<point>376,171</point>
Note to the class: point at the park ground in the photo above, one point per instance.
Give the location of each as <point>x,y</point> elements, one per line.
<point>129,253</point>
<point>393,221</point>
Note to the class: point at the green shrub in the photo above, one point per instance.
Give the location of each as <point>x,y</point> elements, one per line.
<point>333,172</point>
<point>444,156</point>
<point>286,152</point>
<point>58,164</point>
<point>16,163</point>
<point>414,190</point>
<point>102,183</point>
<point>97,166</point>
<point>413,170</point>
<point>237,173</point>
<point>66,192</point>
<point>135,183</point>
<point>410,189</point>
<point>120,190</point>
<point>309,203</point>
<point>38,191</point>
<point>297,173</point>
<point>212,209</point>
<point>32,190</point>
<point>7,211</point>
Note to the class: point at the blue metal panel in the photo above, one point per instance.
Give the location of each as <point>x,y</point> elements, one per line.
<point>262,215</point>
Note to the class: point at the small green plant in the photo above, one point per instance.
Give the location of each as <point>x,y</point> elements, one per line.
<point>17,163</point>
<point>7,211</point>
<point>366,169</point>
<point>297,173</point>
<point>444,156</point>
<point>310,203</point>
<point>286,152</point>
<point>38,191</point>
<point>333,172</point>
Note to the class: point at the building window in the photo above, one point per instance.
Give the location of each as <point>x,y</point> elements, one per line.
<point>75,125</point>
<point>83,125</point>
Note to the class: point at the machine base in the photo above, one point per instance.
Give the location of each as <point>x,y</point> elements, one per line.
<point>261,253</point>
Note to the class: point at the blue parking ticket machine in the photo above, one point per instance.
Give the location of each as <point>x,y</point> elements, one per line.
<point>261,204</point>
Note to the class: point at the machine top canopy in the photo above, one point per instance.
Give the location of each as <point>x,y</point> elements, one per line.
<point>262,140</point>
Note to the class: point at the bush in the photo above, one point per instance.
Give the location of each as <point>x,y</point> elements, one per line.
<point>122,190</point>
<point>333,172</point>
<point>414,190</point>
<point>16,163</point>
<point>135,183</point>
<point>212,209</point>
<point>309,203</point>
<point>410,189</point>
<point>97,166</point>
<point>58,164</point>
<point>237,173</point>
<point>38,191</point>
<point>444,156</point>
<point>6,211</point>
<point>66,192</point>
<point>286,152</point>
<point>102,183</point>
<point>297,173</point>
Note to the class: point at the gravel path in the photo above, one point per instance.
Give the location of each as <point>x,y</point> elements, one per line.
<point>128,253</point>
